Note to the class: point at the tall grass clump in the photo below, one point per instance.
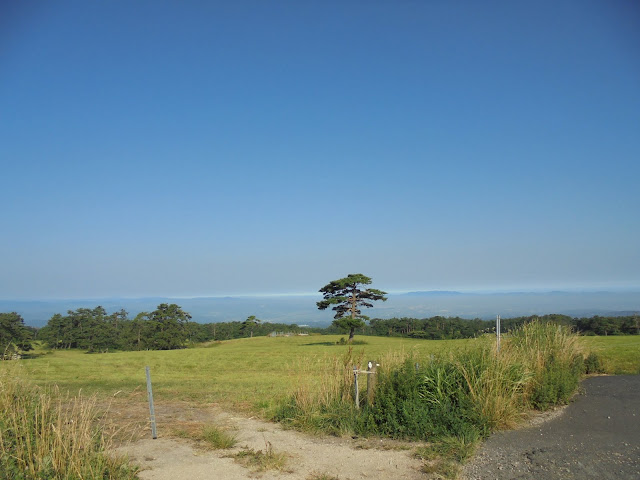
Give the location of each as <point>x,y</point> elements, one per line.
<point>325,405</point>
<point>45,435</point>
<point>495,383</point>
<point>555,358</point>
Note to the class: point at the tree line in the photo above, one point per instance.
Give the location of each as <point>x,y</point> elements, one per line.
<point>15,337</point>
<point>169,327</point>
<point>448,328</point>
<point>166,328</point>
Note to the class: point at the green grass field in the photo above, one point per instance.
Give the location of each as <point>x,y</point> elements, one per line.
<point>253,373</point>
<point>620,354</point>
<point>242,373</point>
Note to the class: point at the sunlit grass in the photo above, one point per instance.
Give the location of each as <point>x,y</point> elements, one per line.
<point>250,373</point>
<point>254,373</point>
<point>620,353</point>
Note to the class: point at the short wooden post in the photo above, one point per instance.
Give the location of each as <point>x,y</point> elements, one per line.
<point>152,411</point>
<point>371,381</point>
<point>355,383</point>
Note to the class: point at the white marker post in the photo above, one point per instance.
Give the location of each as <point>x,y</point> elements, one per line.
<point>355,385</point>
<point>498,333</point>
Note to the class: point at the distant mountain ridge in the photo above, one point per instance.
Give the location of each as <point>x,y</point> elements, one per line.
<point>432,293</point>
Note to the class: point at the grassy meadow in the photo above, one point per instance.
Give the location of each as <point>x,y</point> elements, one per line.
<point>460,392</point>
<point>620,354</point>
<point>250,373</point>
<point>255,373</point>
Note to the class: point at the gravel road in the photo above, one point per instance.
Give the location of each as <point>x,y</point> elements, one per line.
<point>596,436</point>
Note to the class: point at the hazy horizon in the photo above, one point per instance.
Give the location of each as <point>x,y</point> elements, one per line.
<point>301,309</point>
<point>567,289</point>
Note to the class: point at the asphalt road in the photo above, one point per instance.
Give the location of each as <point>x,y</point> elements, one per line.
<point>596,436</point>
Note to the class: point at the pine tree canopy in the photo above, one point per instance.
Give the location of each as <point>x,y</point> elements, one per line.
<point>346,297</point>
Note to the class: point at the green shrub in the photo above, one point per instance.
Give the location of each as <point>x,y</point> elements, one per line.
<point>398,410</point>
<point>422,404</point>
<point>557,383</point>
<point>593,364</point>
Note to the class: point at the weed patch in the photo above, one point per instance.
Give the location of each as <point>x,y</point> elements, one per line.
<point>208,436</point>
<point>260,461</point>
<point>322,476</point>
<point>218,438</point>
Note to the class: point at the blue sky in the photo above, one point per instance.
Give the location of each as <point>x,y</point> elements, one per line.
<point>213,148</point>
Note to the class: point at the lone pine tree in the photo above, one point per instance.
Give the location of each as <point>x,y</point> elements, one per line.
<point>347,296</point>
<point>250,323</point>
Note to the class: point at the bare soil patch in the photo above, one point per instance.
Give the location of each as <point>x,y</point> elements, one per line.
<point>170,457</point>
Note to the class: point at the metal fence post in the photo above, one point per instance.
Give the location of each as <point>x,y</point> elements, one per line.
<point>152,411</point>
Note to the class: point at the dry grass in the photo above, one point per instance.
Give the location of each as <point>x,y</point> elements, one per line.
<point>501,383</point>
<point>44,434</point>
<point>495,383</point>
<point>328,379</point>
<point>537,342</point>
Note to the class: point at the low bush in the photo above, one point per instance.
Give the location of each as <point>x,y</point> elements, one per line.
<point>420,403</point>
<point>556,383</point>
<point>593,364</point>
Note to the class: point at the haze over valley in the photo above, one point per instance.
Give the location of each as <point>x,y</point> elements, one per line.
<point>301,309</point>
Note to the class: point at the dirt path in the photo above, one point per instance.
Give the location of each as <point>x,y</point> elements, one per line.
<point>596,436</point>
<point>308,457</point>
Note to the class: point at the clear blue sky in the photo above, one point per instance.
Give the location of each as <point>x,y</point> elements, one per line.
<point>212,148</point>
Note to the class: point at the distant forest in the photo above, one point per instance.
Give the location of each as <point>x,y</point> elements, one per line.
<point>169,327</point>
<point>446,328</point>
